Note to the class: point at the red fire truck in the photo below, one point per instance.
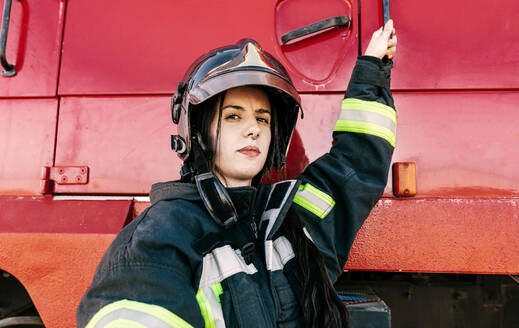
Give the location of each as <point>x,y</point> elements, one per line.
<point>85,125</point>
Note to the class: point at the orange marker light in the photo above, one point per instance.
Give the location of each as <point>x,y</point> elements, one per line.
<point>404,179</point>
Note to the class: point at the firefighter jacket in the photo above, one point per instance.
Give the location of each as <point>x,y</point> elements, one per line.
<point>152,276</point>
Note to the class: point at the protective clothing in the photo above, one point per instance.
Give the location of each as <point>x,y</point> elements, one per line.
<point>152,274</point>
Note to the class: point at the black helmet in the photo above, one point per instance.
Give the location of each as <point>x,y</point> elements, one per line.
<point>224,68</point>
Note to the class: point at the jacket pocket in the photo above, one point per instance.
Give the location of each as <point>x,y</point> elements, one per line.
<point>286,303</point>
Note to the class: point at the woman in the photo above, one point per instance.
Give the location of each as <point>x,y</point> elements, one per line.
<point>219,249</point>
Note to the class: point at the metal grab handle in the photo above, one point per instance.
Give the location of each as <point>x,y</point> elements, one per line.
<point>9,70</point>
<point>385,11</point>
<point>339,21</point>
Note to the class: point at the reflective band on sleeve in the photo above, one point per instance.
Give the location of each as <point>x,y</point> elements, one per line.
<point>314,200</point>
<point>210,307</point>
<point>368,117</point>
<point>126,313</point>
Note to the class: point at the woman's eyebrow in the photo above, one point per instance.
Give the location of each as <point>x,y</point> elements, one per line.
<point>234,106</point>
<point>263,111</point>
<point>259,110</point>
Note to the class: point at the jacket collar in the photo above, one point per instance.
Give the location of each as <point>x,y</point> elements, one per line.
<point>242,197</point>
<point>272,202</point>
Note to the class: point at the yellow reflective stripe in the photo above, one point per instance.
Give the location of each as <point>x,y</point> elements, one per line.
<point>369,125</point>
<point>205,308</point>
<point>314,200</point>
<point>369,106</point>
<point>322,195</point>
<point>368,128</point>
<point>217,290</point>
<point>309,206</point>
<point>138,313</point>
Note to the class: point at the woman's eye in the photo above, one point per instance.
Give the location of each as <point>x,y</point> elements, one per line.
<point>263,120</point>
<point>232,117</point>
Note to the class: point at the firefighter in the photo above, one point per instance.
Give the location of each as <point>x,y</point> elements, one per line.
<point>220,249</point>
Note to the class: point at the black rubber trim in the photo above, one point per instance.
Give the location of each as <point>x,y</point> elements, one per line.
<point>9,70</point>
<point>338,21</point>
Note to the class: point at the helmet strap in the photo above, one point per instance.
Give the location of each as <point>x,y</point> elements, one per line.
<point>216,199</point>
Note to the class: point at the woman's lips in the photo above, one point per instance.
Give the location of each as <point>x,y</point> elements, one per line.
<point>250,151</point>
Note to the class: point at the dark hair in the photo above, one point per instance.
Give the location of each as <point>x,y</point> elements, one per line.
<point>321,305</point>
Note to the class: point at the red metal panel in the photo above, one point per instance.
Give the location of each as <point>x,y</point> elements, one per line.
<point>33,46</point>
<point>147,47</point>
<point>124,142</point>
<point>464,144</point>
<point>440,235</point>
<point>46,215</point>
<point>451,44</point>
<point>56,269</point>
<point>432,129</point>
<point>27,130</point>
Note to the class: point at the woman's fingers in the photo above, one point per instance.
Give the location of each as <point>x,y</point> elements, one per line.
<point>388,28</point>
<point>391,47</point>
<point>383,42</point>
<point>392,42</point>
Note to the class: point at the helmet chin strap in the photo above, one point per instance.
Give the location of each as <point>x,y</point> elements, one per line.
<point>239,233</point>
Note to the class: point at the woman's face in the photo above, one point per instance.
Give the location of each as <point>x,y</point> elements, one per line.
<point>244,139</point>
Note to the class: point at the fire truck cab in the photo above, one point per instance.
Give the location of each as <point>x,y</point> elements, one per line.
<point>85,124</point>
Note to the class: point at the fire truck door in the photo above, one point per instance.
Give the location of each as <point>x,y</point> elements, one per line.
<point>28,103</point>
<point>27,143</point>
<point>122,60</point>
<point>455,84</point>
<point>33,47</point>
<point>451,44</point>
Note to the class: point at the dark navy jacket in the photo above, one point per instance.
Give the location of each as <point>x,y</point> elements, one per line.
<point>152,275</point>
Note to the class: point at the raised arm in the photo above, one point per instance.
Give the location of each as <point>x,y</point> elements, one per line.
<point>339,189</point>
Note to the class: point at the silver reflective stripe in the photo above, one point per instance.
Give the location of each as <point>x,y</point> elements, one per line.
<point>127,313</point>
<point>272,215</point>
<point>145,319</point>
<point>278,253</point>
<point>307,234</point>
<point>365,116</point>
<point>222,263</point>
<point>321,204</point>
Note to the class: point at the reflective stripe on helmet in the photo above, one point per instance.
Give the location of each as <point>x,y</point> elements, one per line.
<point>314,200</point>
<point>368,117</point>
<point>126,313</point>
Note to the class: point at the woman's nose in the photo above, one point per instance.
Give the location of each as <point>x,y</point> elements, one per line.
<point>252,129</point>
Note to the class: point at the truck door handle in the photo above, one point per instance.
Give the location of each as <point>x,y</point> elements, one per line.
<point>339,21</point>
<point>9,70</point>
